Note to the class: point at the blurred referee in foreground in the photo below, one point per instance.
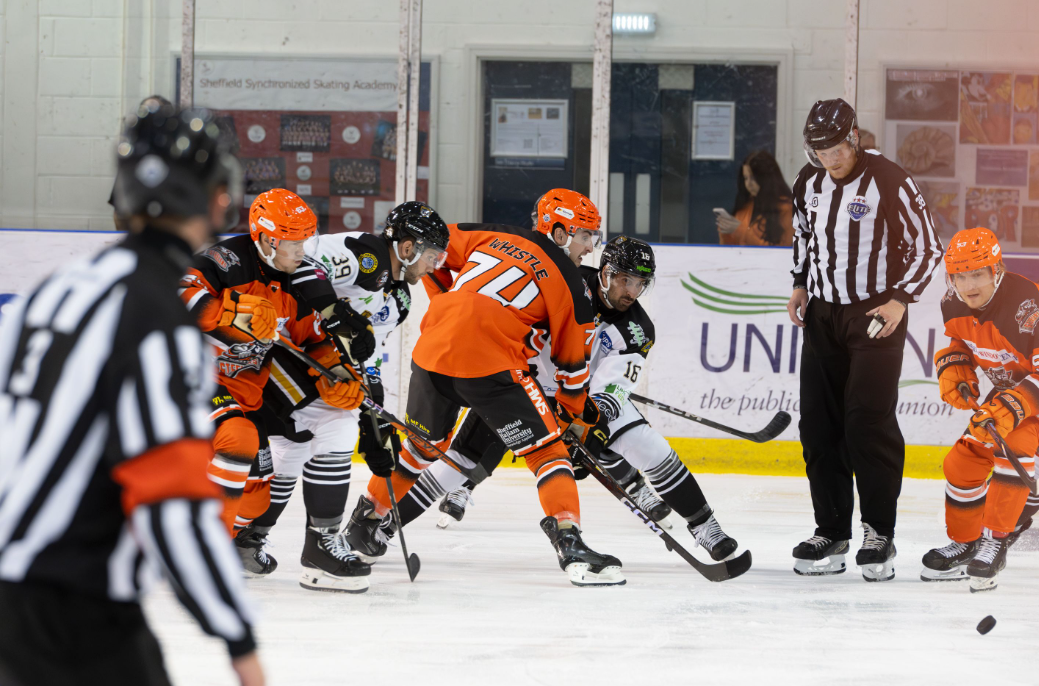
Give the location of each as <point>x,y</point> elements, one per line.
<point>104,383</point>
<point>865,247</point>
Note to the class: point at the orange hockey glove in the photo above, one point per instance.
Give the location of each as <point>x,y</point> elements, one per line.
<point>249,313</point>
<point>346,395</point>
<point>591,427</point>
<point>1006,410</point>
<point>954,367</point>
<point>327,355</point>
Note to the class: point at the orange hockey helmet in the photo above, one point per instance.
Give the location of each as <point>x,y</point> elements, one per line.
<point>972,249</point>
<point>569,209</point>
<point>279,215</point>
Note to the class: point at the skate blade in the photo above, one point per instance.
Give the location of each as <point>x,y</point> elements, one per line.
<point>955,574</point>
<point>370,559</point>
<point>979,584</point>
<point>317,580</point>
<point>256,575</point>
<point>834,564</point>
<point>581,576</point>
<point>885,571</point>
<point>444,521</point>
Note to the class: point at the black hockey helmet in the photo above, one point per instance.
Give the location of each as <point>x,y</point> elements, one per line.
<point>170,163</point>
<point>830,123</point>
<point>628,257</point>
<point>417,220</point>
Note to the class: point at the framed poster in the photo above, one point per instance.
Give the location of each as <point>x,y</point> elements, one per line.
<point>714,130</point>
<point>529,128</point>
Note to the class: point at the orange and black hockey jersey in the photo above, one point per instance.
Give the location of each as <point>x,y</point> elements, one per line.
<point>1003,338</point>
<point>508,281</point>
<point>242,362</point>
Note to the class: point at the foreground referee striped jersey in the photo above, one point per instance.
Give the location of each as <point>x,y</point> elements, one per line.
<point>104,381</point>
<point>862,236</point>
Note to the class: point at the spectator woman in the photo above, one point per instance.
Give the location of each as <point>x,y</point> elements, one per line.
<point>763,212</point>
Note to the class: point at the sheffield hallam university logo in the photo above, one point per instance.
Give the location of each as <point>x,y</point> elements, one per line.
<point>859,208</point>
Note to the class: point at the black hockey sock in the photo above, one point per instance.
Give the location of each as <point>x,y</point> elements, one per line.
<point>1031,508</point>
<point>281,490</point>
<point>677,486</point>
<point>326,486</point>
<point>618,468</point>
<point>426,491</point>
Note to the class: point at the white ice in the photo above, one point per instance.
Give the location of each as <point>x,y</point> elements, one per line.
<point>491,605</point>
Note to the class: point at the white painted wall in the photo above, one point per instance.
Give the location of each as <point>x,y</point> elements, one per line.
<point>70,68</point>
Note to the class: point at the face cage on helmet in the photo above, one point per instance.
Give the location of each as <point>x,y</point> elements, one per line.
<point>609,272</point>
<point>998,272</point>
<point>813,157</point>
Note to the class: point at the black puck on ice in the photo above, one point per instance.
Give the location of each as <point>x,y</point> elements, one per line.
<point>985,625</point>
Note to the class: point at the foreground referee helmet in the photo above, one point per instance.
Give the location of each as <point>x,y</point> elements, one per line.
<point>831,136</point>
<point>104,384</point>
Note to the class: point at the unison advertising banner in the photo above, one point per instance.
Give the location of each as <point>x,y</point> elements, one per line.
<point>726,349</point>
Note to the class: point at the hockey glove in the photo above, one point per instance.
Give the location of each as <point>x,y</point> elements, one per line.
<point>249,313</point>
<point>378,456</point>
<point>378,393</point>
<point>954,367</point>
<point>353,329</point>
<point>346,395</point>
<point>327,355</point>
<point>1006,410</point>
<point>591,427</point>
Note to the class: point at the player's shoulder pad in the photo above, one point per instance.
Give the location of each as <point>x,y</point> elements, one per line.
<point>373,259</point>
<point>231,262</point>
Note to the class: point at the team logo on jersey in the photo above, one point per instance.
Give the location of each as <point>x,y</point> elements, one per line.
<point>638,336</point>
<point>814,202</point>
<point>1001,377</point>
<point>224,257</point>
<point>383,278</point>
<point>241,357</point>
<point>588,293</point>
<point>1027,316</point>
<point>605,342</point>
<point>859,208</point>
<point>382,315</point>
<point>404,298</point>
<point>368,263</point>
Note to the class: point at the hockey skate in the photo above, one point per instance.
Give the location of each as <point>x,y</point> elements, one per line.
<point>453,505</point>
<point>1016,533</point>
<point>876,556</point>
<point>647,500</point>
<point>330,565</point>
<point>820,556</point>
<point>948,563</point>
<point>363,534</point>
<point>988,562</point>
<point>584,566</point>
<point>250,543</point>
<point>716,542</point>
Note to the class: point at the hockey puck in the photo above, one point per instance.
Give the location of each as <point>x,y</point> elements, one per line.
<point>985,625</point>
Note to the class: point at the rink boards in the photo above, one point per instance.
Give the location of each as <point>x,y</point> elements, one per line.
<point>724,348</point>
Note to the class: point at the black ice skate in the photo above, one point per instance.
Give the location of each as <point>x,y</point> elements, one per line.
<point>647,500</point>
<point>453,505</point>
<point>584,566</point>
<point>330,565</point>
<point>362,532</point>
<point>820,556</point>
<point>948,563</point>
<point>988,562</point>
<point>876,556</point>
<point>709,534</point>
<point>250,543</point>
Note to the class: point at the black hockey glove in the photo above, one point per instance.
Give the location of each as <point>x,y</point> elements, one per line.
<point>380,457</point>
<point>580,471</point>
<point>591,428</point>
<point>344,323</point>
<point>375,386</point>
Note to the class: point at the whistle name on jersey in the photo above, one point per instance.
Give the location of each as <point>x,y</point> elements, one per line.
<point>1001,356</point>
<point>524,256</point>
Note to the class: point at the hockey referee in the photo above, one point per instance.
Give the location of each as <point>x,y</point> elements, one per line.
<point>104,386</point>
<point>865,247</point>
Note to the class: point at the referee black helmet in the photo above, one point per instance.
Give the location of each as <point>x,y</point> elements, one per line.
<point>830,123</point>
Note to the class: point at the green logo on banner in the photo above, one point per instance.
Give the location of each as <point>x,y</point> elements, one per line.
<point>727,302</point>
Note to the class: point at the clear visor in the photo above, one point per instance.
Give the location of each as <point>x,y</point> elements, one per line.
<point>591,239</point>
<point>832,157</point>
<point>974,285</point>
<point>430,253</point>
<point>632,284</point>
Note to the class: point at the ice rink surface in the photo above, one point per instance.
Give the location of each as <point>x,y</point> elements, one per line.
<point>491,605</point>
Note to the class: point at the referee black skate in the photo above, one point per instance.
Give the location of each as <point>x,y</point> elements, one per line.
<point>104,386</point>
<point>865,247</point>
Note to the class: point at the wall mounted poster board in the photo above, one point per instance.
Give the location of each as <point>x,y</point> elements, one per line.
<point>529,128</point>
<point>970,138</point>
<point>325,129</point>
<point>714,130</point>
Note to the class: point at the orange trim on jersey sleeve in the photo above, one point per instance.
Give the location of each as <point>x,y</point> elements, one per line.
<point>174,470</point>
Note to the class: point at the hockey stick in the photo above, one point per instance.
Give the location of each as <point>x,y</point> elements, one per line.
<point>720,571</point>
<point>994,433</point>
<point>776,425</point>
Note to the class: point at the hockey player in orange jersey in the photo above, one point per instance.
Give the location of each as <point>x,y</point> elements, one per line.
<point>992,320</point>
<point>474,351</point>
<point>240,293</point>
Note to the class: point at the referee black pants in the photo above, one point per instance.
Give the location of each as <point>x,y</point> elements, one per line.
<point>849,394</point>
<point>51,636</point>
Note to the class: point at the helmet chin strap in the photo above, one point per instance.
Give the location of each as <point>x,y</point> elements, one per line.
<point>269,259</point>
<point>404,264</point>
<point>605,290</point>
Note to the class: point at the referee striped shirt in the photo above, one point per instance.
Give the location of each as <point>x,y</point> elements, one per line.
<point>869,234</point>
<point>104,385</point>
